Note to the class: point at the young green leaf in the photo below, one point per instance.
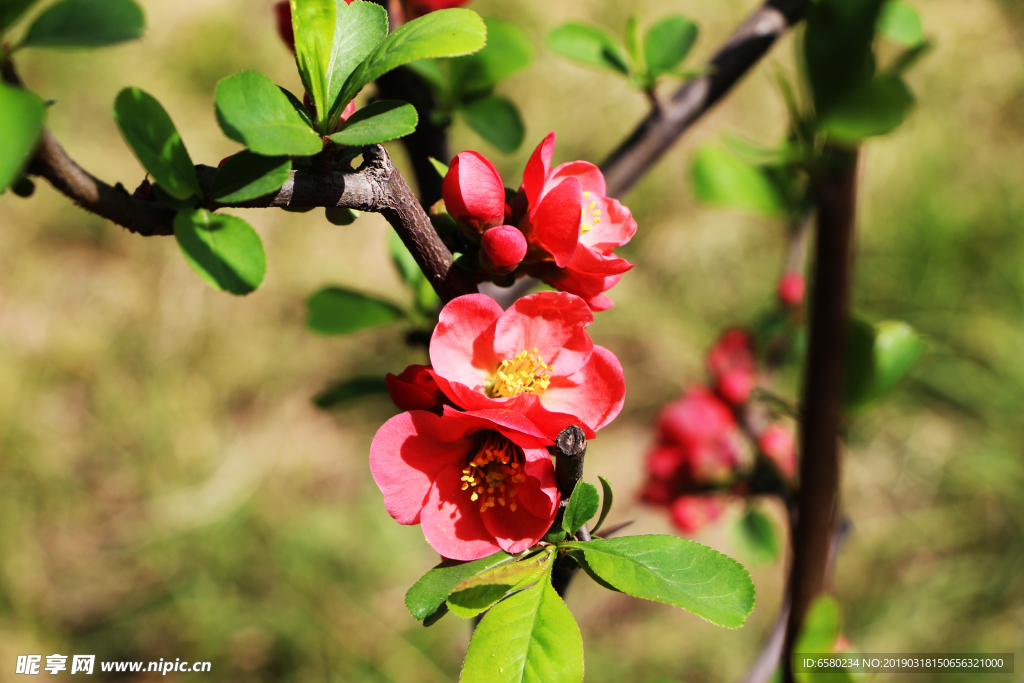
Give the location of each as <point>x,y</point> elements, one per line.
<point>224,250</point>
<point>151,134</point>
<point>508,51</point>
<point>755,534</point>
<point>247,175</point>
<point>588,45</point>
<point>429,593</point>
<point>634,47</point>
<point>23,114</point>
<point>474,595</point>
<point>496,119</point>
<point>334,310</point>
<point>874,107</point>
<point>86,23</point>
<point>675,571</point>
<point>722,179</point>
<point>606,503</point>
<point>349,390</point>
<point>252,110</point>
<point>528,637</point>
<point>378,122</point>
<point>444,33</point>
<point>821,629</point>
<point>879,357</point>
<point>11,11</point>
<point>582,506</point>
<point>668,42</point>
<point>901,23</point>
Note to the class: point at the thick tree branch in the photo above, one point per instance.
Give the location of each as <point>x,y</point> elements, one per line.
<point>835,194</point>
<point>665,124</point>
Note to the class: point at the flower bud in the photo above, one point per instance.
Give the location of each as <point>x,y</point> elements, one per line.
<point>474,194</point>
<point>502,249</point>
<point>792,288</point>
<point>415,389</point>
<point>777,443</point>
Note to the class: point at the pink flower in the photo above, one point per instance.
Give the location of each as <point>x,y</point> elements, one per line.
<point>415,389</point>
<point>778,444</point>
<point>536,358</point>
<point>573,255</point>
<point>477,482</point>
<point>417,8</point>
<point>731,362</point>
<point>691,513</point>
<point>502,249</point>
<point>473,193</point>
<point>792,288</point>
<point>700,433</point>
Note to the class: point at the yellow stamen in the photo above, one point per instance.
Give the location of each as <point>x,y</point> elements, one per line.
<point>495,467</point>
<point>525,373</point>
<point>589,217</point>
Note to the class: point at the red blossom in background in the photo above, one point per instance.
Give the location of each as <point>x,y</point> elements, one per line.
<point>415,389</point>
<point>536,358</point>
<point>792,289</point>
<point>477,482</point>
<point>417,8</point>
<point>691,513</point>
<point>732,364</point>
<point>778,444</point>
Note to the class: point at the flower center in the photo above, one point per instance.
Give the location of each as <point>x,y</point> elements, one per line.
<point>525,373</point>
<point>493,472</point>
<point>589,216</point>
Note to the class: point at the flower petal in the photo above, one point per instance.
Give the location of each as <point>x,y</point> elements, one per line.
<point>537,169</point>
<point>615,227</point>
<point>514,425</point>
<point>554,323</point>
<point>594,393</point>
<point>473,191</point>
<point>539,492</point>
<point>515,531</point>
<point>462,347</point>
<point>451,521</point>
<point>588,174</point>
<point>556,221</point>
<point>407,453</point>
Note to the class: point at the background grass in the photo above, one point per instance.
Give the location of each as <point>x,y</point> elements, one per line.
<point>168,490</point>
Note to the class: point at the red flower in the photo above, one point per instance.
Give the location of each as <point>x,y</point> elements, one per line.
<point>698,439</point>
<point>415,389</point>
<point>536,358</point>
<point>690,513</point>
<point>792,288</point>
<point>502,249</point>
<point>477,482</point>
<point>417,8</point>
<point>731,362</point>
<point>581,250</point>
<point>777,443</point>
<point>473,193</point>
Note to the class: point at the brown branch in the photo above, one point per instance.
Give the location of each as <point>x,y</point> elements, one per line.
<point>570,450</point>
<point>376,186</point>
<point>665,124</point>
<point>835,191</point>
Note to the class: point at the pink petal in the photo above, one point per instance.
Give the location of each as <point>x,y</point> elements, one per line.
<point>552,424</point>
<point>537,169</point>
<point>615,228</point>
<point>515,531</point>
<point>554,323</point>
<point>473,191</point>
<point>451,521</point>
<point>556,221</point>
<point>407,453</point>
<point>541,495</point>
<point>462,347</point>
<point>512,424</point>
<point>594,393</point>
<point>590,176</point>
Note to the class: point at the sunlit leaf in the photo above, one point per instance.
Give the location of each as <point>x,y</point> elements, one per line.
<point>668,42</point>
<point>879,356</point>
<point>254,111</point>
<point>23,114</point>
<point>86,23</point>
<point>582,506</point>
<point>476,594</point>
<point>378,122</point>
<point>901,23</point>
<point>429,593</point>
<point>224,250</point>
<point>606,503</point>
<point>588,45</point>
<point>722,179</point>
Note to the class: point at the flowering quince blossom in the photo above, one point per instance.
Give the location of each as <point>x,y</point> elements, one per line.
<point>415,389</point>
<point>569,226</point>
<point>691,513</point>
<point>778,444</point>
<point>478,482</point>
<point>536,358</point>
<point>417,8</point>
<point>732,364</point>
<point>791,290</point>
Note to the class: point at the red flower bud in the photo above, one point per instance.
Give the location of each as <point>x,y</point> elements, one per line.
<point>777,443</point>
<point>792,288</point>
<point>473,193</point>
<point>502,249</point>
<point>415,389</point>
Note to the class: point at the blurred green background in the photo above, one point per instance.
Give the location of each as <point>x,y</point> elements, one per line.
<point>167,488</point>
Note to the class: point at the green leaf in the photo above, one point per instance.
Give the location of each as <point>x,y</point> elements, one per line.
<point>901,23</point>
<point>442,169</point>
<point>528,637</point>
<point>169,200</point>
<point>341,215</point>
<point>818,635</point>
<point>334,310</point>
<point>429,593</point>
<point>756,535</point>
<point>23,114</point>
<point>247,175</point>
<point>582,506</point>
<point>11,11</point>
<point>675,571</point>
<point>427,300</point>
<point>837,48</point>
<point>722,179</point>
<point>606,503</point>
<point>508,51</point>
<point>224,250</point>
<point>879,357</point>
<point>151,134</point>
<point>474,595</point>
<point>378,122</point>
<point>349,390</point>
<point>86,23</point>
<point>634,47</point>
<point>496,119</point>
<point>668,42</point>
<point>588,45</point>
<point>252,110</point>
<point>444,33</point>
<point>430,71</point>
<point>874,107</point>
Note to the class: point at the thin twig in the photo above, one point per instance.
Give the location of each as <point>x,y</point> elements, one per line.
<point>665,124</point>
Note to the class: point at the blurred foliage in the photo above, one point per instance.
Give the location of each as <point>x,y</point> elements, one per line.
<point>168,489</point>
